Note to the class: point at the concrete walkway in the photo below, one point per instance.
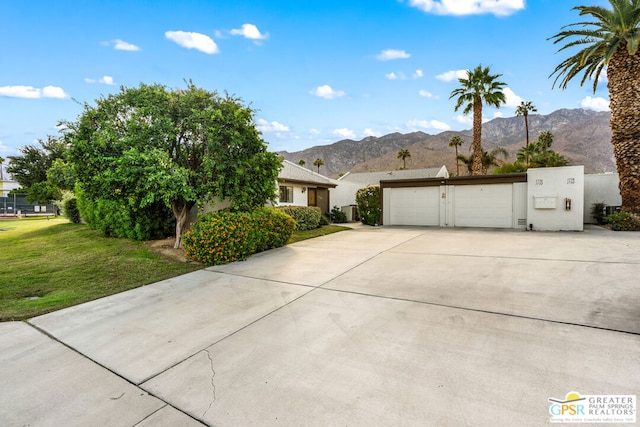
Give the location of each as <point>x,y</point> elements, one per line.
<point>373,326</point>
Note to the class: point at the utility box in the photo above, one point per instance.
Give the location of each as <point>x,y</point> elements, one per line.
<point>556,198</point>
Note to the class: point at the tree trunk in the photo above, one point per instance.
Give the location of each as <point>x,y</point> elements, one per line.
<point>477,136</point>
<point>181,211</point>
<point>526,130</point>
<point>623,73</point>
<point>457,162</point>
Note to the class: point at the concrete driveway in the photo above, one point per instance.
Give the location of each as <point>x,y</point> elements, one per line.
<point>373,326</point>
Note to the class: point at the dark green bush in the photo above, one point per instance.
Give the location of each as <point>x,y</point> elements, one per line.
<point>306,217</point>
<point>227,236</point>
<point>623,221</point>
<point>368,202</point>
<point>597,212</point>
<point>116,219</point>
<point>337,216</point>
<point>70,209</point>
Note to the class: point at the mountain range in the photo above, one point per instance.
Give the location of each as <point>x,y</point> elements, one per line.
<point>583,136</point>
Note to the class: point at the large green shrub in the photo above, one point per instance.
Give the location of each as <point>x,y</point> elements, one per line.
<point>623,221</point>
<point>227,236</point>
<point>70,210</point>
<point>368,202</point>
<point>306,217</point>
<point>116,219</point>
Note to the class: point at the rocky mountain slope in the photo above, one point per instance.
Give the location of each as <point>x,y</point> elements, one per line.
<point>583,136</point>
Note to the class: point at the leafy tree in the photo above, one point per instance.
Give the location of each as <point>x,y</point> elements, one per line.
<point>150,144</point>
<point>456,142</point>
<point>514,167</point>
<point>31,167</point>
<point>302,162</point>
<point>318,163</point>
<point>610,40</point>
<point>523,110</point>
<point>403,154</point>
<point>479,86</point>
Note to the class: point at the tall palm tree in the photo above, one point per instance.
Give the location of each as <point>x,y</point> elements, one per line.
<point>1,168</point>
<point>611,40</point>
<point>479,86</point>
<point>403,154</point>
<point>523,110</point>
<point>318,163</point>
<point>456,142</point>
<point>302,162</point>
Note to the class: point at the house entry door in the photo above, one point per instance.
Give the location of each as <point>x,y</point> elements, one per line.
<point>311,197</point>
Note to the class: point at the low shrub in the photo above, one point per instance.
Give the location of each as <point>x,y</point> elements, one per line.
<point>226,236</point>
<point>337,216</point>
<point>368,201</point>
<point>597,212</point>
<point>306,217</point>
<point>623,221</point>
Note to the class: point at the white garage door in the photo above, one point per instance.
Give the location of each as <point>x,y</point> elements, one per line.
<point>484,206</point>
<point>415,206</point>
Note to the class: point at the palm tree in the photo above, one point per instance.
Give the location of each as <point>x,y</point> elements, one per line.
<point>611,40</point>
<point>523,110</point>
<point>491,158</point>
<point>318,163</point>
<point>302,162</point>
<point>1,168</point>
<point>480,85</point>
<point>456,142</point>
<point>403,154</point>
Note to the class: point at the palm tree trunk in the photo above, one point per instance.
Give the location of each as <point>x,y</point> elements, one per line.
<point>477,136</point>
<point>623,73</point>
<point>457,162</point>
<point>526,130</point>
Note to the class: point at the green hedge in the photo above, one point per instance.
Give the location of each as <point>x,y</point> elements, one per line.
<point>306,217</point>
<point>226,236</point>
<point>368,201</point>
<point>623,221</point>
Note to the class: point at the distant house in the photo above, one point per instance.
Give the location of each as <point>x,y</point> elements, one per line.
<point>348,184</point>
<point>299,186</point>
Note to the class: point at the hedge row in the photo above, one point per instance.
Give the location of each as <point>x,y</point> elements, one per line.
<point>226,236</point>
<point>306,217</point>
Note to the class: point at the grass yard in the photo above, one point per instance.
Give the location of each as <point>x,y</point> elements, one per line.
<point>52,264</point>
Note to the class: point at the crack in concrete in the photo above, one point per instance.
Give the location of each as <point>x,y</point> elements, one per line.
<point>213,386</point>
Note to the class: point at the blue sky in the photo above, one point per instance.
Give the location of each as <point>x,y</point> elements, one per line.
<point>315,71</point>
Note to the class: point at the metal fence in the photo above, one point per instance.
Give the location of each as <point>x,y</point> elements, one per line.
<point>17,205</point>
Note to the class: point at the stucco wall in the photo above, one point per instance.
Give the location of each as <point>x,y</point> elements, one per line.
<point>600,188</point>
<point>548,190</point>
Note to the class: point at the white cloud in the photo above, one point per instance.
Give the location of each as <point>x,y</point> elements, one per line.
<point>369,132</point>
<point>391,54</point>
<point>418,74</point>
<point>106,80</point>
<point>32,92</point>
<point>465,120</point>
<point>427,94</point>
<point>249,31</point>
<point>327,92</point>
<point>394,76</point>
<point>415,125</point>
<point>88,80</point>
<point>123,45</point>
<point>450,76</point>
<point>313,131</point>
<point>511,99</point>
<point>271,127</point>
<point>468,7</point>
<point>497,114</point>
<point>597,103</point>
<point>344,133</point>
<point>190,40</point>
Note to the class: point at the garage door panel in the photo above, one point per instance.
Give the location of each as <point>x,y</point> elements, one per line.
<point>484,206</point>
<point>415,206</point>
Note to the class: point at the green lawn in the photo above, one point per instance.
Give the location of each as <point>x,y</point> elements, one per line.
<point>51,264</point>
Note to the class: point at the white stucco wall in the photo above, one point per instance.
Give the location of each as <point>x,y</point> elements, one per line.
<point>547,192</point>
<point>600,188</point>
<point>299,198</point>
<point>344,194</point>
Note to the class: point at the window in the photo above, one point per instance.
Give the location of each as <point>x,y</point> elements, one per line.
<point>286,194</point>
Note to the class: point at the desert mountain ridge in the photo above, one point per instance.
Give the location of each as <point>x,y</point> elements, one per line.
<point>583,136</point>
